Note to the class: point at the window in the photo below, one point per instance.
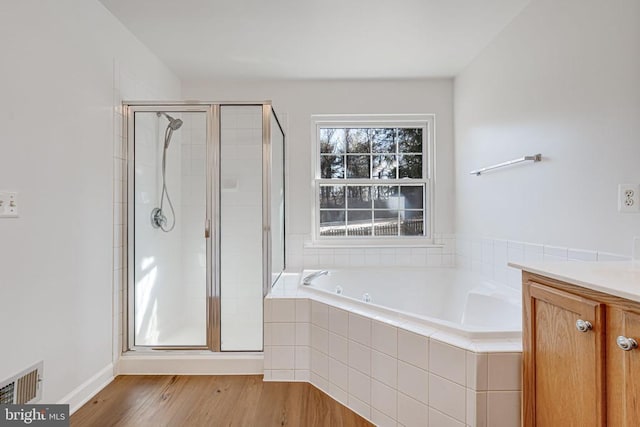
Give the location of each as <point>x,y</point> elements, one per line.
<point>372,177</point>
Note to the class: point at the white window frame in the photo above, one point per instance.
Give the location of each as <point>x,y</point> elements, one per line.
<point>425,121</point>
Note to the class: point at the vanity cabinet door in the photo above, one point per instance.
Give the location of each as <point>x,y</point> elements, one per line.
<point>564,358</point>
<point>623,367</point>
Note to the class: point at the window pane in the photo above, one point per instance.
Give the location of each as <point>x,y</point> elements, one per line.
<point>412,223</point>
<point>331,196</point>
<point>383,140</point>
<point>410,166</point>
<point>332,141</point>
<point>410,140</point>
<point>384,167</point>
<point>359,223</point>
<point>332,167</point>
<point>359,197</point>
<point>412,196</point>
<point>358,166</point>
<point>385,197</point>
<point>332,223</point>
<point>386,223</point>
<point>358,140</point>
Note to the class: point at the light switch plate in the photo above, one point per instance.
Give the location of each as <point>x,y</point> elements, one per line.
<point>8,204</point>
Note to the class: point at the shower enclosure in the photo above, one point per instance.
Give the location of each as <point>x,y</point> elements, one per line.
<point>205,225</point>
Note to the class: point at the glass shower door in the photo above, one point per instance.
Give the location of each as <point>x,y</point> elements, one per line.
<point>170,188</point>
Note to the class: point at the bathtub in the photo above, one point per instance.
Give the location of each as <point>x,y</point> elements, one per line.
<point>404,346</point>
<point>456,301</point>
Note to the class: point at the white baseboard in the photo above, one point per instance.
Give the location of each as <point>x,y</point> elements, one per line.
<point>209,364</point>
<point>85,391</point>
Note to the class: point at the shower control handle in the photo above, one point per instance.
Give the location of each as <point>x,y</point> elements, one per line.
<point>583,325</point>
<point>207,228</point>
<point>627,344</point>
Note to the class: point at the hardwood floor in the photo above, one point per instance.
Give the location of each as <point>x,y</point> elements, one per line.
<point>187,401</point>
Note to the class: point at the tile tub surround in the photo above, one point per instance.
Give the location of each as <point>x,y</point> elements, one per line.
<point>389,371</point>
<point>302,254</point>
<point>490,257</point>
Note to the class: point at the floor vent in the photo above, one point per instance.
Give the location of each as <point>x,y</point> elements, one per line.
<point>25,387</point>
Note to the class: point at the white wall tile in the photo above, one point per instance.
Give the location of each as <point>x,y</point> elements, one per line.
<point>413,348</point>
<point>533,252</point>
<point>283,310</point>
<point>266,334</point>
<point>303,334</point>
<point>439,419</point>
<point>380,419</point>
<point>447,397</point>
<point>581,255</point>
<point>319,363</point>
<point>360,329</point>
<point>515,251</point>
<point>302,357</point>
<point>338,374</point>
<point>320,382</point>
<point>282,375</point>
<point>320,314</point>
<point>477,370</point>
<point>359,407</point>
<point>384,338</point>
<point>338,347</point>
<point>267,354</point>
<point>320,339</point>
<point>302,375</point>
<point>384,398</point>
<point>413,382</point>
<point>283,334</point>
<point>384,368</point>
<point>505,371</point>
<point>503,408</point>
<point>339,321</point>
<point>476,409</point>
<point>447,361</point>
<point>360,357</point>
<point>267,309</point>
<point>282,357</point>
<point>412,413</point>
<point>555,253</point>
<point>360,386</point>
<point>338,394</point>
<point>303,310</point>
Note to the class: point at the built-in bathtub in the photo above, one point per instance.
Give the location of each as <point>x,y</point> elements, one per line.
<point>401,347</point>
<point>457,301</point>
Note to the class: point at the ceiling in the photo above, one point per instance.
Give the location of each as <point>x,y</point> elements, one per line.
<point>315,39</point>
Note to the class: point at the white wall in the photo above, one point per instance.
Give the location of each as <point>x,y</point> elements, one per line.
<point>57,133</point>
<point>561,80</point>
<point>295,102</point>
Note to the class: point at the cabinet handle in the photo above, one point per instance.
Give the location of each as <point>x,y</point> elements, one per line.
<point>583,325</point>
<point>627,344</point>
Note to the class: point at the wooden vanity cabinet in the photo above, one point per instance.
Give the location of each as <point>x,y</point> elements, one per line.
<point>575,373</point>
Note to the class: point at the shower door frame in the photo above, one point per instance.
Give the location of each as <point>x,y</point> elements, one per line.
<point>213,193</point>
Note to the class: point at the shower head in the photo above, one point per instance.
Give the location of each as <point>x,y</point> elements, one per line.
<point>174,124</point>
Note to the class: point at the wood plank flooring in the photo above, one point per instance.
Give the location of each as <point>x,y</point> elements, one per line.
<point>231,400</point>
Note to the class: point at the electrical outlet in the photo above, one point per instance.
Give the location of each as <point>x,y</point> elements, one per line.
<point>629,198</point>
<point>8,204</point>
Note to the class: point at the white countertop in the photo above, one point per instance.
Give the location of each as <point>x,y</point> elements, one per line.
<point>619,278</point>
